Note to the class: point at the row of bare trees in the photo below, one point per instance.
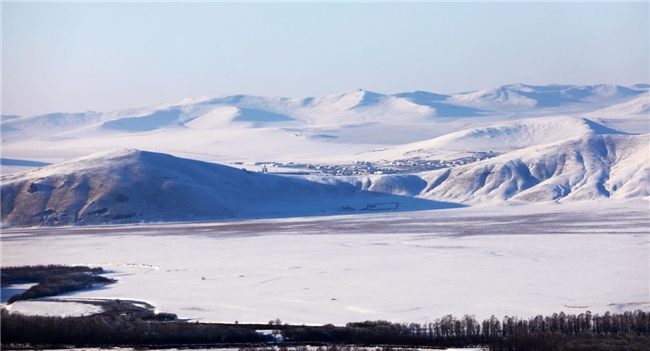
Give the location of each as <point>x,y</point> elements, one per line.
<point>124,327</point>
<point>634,322</point>
<point>509,333</point>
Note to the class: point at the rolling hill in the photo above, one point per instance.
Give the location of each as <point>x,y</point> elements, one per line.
<point>639,106</point>
<point>521,97</point>
<point>132,186</point>
<point>592,167</point>
<point>499,137</point>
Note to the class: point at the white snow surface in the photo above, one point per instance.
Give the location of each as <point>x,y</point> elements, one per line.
<point>407,267</point>
<point>639,106</point>
<point>44,307</point>
<point>521,97</point>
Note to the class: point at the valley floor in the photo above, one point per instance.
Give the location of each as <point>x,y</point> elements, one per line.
<point>403,267</point>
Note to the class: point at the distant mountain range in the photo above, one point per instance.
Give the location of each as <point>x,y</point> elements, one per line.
<point>349,107</point>
<point>355,117</point>
<point>516,143</point>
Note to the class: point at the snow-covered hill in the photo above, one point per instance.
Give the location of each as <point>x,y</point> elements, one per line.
<point>639,106</point>
<point>135,186</point>
<point>592,167</point>
<point>521,97</point>
<point>499,137</point>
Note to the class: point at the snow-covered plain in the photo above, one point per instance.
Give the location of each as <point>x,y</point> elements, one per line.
<point>556,219</point>
<point>406,267</point>
<point>46,307</point>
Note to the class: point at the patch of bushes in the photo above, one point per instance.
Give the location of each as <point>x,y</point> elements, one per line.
<point>60,284</point>
<point>52,280</point>
<point>34,274</point>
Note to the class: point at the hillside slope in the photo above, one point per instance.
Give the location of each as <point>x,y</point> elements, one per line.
<point>593,167</point>
<point>639,106</point>
<point>137,186</point>
<point>497,137</point>
<point>521,97</point>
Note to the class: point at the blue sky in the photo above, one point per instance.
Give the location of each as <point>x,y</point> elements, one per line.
<point>102,56</point>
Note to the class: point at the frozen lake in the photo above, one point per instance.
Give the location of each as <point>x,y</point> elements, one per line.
<point>402,267</point>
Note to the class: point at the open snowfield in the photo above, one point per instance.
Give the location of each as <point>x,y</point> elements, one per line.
<point>53,308</point>
<point>406,267</point>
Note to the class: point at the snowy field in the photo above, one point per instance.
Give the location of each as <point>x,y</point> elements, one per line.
<point>402,267</point>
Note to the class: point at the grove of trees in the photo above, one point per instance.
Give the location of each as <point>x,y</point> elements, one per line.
<point>52,279</point>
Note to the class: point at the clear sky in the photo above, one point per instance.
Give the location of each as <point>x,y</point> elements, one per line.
<point>102,56</point>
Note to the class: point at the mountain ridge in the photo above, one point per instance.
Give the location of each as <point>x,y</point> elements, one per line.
<point>361,97</point>
<point>134,186</point>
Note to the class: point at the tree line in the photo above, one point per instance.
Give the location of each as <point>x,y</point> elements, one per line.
<point>510,333</point>
<point>136,327</point>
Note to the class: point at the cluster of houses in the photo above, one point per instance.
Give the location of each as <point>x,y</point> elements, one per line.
<point>410,165</point>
